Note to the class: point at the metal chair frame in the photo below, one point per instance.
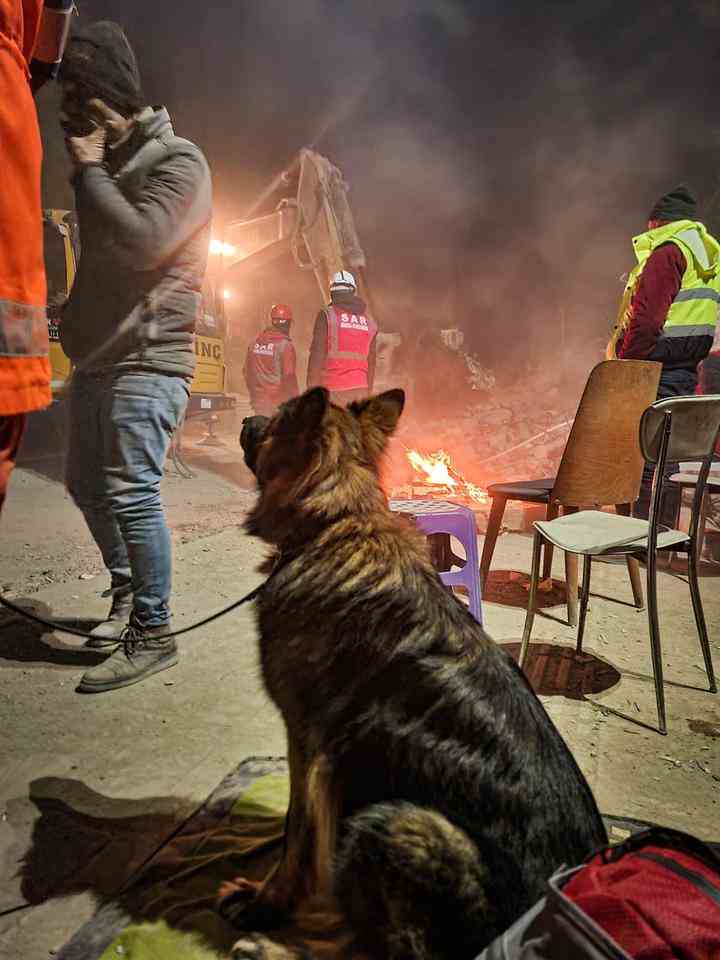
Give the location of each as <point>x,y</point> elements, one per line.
<point>647,548</point>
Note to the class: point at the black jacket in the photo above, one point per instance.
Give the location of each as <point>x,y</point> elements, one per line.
<point>318,347</point>
<point>144,219</point>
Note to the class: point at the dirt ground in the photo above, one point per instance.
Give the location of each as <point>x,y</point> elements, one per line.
<point>91,786</point>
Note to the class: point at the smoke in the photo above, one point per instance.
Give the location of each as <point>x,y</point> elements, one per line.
<point>500,156</point>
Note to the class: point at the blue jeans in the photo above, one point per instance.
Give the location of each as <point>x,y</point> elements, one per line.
<point>120,431</point>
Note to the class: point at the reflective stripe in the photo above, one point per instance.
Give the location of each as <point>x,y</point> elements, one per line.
<point>698,293</point>
<point>23,330</point>
<point>333,352</point>
<point>688,330</point>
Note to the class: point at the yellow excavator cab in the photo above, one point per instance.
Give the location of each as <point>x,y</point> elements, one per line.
<point>60,267</point>
<point>207,391</point>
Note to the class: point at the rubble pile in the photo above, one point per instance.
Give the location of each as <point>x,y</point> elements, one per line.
<point>511,431</point>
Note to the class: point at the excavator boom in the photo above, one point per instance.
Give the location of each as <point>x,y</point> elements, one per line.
<point>314,222</point>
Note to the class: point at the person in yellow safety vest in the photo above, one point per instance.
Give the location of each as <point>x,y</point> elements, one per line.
<point>671,302</point>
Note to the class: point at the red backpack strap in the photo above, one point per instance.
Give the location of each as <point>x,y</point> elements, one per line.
<point>663,837</point>
<point>696,879</point>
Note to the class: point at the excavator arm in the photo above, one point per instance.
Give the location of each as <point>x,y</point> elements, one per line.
<point>314,222</point>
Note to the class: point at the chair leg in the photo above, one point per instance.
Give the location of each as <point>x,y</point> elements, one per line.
<point>532,598</point>
<point>553,512</point>
<point>655,647</point>
<point>571,587</point>
<point>584,598</point>
<point>702,522</point>
<point>669,555</point>
<point>633,565</point>
<point>700,614</point>
<point>493,528</point>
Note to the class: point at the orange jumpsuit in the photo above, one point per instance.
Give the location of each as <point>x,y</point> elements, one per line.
<point>24,365</point>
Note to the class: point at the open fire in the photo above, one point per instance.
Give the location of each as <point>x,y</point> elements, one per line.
<point>438,476</point>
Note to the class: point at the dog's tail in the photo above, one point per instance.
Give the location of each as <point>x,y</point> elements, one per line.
<point>413,885</point>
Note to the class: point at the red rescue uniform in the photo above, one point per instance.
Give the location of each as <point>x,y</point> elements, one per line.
<point>343,349</point>
<point>270,371</point>
<point>349,338</point>
<point>24,365</point>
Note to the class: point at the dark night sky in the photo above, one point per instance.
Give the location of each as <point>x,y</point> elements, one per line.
<point>500,155</point>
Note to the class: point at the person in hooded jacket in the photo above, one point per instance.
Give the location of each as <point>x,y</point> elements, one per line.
<point>144,203</point>
<point>270,366</point>
<point>343,349</point>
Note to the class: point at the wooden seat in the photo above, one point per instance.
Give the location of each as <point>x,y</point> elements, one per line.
<point>529,491</point>
<point>601,465</point>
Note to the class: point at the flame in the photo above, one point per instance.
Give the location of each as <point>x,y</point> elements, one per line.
<point>437,468</point>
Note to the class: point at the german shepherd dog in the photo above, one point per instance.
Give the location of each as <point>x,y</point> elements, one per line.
<point>431,795</point>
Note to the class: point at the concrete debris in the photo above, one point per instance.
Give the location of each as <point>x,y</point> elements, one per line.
<point>514,430</point>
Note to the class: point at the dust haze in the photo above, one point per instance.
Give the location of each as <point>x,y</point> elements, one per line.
<point>499,156</point>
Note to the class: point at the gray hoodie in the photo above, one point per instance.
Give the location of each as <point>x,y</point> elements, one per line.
<point>144,218</point>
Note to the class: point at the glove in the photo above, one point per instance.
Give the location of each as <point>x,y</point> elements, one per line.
<point>88,151</point>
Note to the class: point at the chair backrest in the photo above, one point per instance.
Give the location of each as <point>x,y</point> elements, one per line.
<point>602,464</point>
<point>694,425</point>
<point>680,428</point>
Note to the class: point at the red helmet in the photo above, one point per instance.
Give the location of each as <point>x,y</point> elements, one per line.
<point>281,312</point>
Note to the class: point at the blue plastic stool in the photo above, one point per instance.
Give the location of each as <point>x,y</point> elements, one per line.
<point>452,519</point>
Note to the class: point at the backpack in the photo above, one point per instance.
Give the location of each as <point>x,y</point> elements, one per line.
<point>656,896</point>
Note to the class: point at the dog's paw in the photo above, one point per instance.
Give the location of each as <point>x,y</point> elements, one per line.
<point>249,948</point>
<point>258,947</point>
<point>246,905</point>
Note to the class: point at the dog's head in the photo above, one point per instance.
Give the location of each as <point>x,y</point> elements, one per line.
<point>315,460</point>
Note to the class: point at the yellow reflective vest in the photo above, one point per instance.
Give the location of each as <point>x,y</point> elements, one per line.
<point>694,311</point>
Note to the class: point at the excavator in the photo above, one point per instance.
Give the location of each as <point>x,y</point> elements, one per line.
<point>311,231</point>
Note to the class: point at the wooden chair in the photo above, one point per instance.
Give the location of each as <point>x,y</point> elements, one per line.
<point>681,428</point>
<point>601,465</point>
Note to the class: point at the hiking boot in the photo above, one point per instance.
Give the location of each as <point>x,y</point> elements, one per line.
<point>140,653</point>
<point>106,635</point>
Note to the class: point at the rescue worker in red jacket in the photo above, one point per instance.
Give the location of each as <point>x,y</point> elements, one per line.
<point>32,40</point>
<point>270,367</point>
<point>342,354</point>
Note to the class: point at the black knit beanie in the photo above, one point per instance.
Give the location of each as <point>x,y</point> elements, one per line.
<point>100,60</point>
<point>679,204</point>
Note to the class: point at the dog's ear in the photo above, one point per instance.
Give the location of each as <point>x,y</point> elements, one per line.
<point>378,418</point>
<point>305,414</point>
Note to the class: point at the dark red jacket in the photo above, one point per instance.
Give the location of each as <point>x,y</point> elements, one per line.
<point>270,370</point>
<point>658,286</point>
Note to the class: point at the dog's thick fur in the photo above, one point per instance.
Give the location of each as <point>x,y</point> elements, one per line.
<point>430,792</point>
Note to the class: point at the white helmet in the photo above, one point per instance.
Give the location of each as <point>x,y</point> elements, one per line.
<point>343,280</point>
